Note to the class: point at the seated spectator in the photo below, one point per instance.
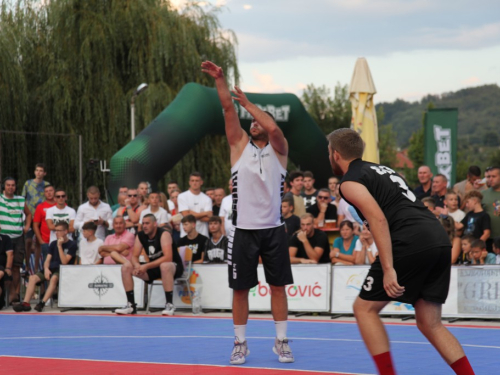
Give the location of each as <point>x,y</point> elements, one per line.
<point>118,247</point>
<point>343,246</point>
<point>309,194</point>
<point>463,187</point>
<point>121,190</point>
<point>456,244</point>
<point>496,249</point>
<point>216,245</point>
<point>323,209</point>
<point>297,183</point>
<point>194,240</point>
<point>333,183</point>
<point>476,222</point>
<point>451,207</point>
<point>121,207</point>
<point>219,194</point>
<point>61,252</point>
<point>479,254</point>
<point>430,203</point>
<point>343,212</point>
<point>58,214</point>
<point>292,222</point>
<point>6,261</point>
<point>162,216</point>
<point>365,249</point>
<point>89,244</point>
<point>163,261</point>
<point>424,175</point>
<point>309,245</point>
<point>94,210</point>
<point>176,228</point>
<point>131,212</point>
<point>439,189</point>
<point>465,256</point>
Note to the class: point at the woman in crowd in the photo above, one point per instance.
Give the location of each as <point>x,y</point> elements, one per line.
<point>365,249</point>
<point>456,246</point>
<point>343,246</point>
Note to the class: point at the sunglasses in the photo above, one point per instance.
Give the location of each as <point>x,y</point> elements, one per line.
<point>60,196</point>
<point>490,168</point>
<point>132,195</point>
<point>320,197</point>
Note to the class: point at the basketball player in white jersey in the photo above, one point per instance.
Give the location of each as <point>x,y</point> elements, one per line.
<point>258,170</point>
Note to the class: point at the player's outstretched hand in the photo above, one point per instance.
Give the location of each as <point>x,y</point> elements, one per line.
<point>212,69</point>
<point>240,96</point>
<point>391,286</point>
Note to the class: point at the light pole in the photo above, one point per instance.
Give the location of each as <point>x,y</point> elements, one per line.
<point>140,88</point>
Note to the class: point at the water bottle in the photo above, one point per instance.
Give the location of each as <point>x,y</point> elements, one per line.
<point>197,305</point>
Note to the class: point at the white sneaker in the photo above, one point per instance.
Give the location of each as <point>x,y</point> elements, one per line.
<point>282,349</point>
<point>239,353</point>
<point>127,310</point>
<point>169,309</point>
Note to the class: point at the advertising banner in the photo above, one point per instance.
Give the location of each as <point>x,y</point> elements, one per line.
<point>479,290</point>
<point>440,141</point>
<point>95,287</point>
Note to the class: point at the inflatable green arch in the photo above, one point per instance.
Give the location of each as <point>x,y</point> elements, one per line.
<point>195,113</point>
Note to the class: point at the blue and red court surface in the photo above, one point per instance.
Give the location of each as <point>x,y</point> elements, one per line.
<point>105,344</point>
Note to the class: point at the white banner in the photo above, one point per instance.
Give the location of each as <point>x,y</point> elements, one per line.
<point>95,286</point>
<point>310,291</point>
<point>209,281</point>
<point>479,290</point>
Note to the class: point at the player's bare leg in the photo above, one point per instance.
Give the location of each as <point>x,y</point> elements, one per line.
<point>279,303</point>
<point>240,306</point>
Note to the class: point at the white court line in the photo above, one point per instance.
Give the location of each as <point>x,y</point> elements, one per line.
<point>181,364</point>
<point>222,337</point>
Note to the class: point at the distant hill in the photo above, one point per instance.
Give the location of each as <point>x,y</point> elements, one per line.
<point>478,115</point>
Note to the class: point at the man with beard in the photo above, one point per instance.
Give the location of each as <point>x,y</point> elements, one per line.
<point>258,170</point>
<point>407,269</point>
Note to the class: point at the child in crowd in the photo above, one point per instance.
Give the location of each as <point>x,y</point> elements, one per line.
<point>477,222</point>
<point>479,255</point>
<point>430,204</point>
<point>464,257</point>
<point>451,207</point>
<point>89,244</point>
<point>496,249</point>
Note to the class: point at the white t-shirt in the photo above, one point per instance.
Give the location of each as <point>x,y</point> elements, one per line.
<point>373,248</point>
<point>57,216</point>
<point>458,215</point>
<point>197,203</point>
<point>162,216</point>
<point>89,250</point>
<point>343,209</point>
<point>226,212</point>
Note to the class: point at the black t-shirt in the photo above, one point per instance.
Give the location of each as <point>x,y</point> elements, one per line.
<point>318,239</point>
<point>5,245</point>
<point>330,214</point>
<point>439,200</point>
<point>413,227</point>
<point>292,225</point>
<point>309,199</point>
<point>420,193</point>
<point>215,210</point>
<point>475,223</point>
<point>153,249</point>
<point>197,245</point>
<point>69,247</point>
<point>216,252</point>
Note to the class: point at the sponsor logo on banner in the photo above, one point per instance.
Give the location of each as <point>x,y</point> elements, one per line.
<point>479,291</point>
<point>196,286</point>
<point>294,292</point>
<point>101,285</point>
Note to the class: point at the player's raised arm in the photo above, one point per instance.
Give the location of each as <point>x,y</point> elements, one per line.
<point>276,136</point>
<point>236,137</point>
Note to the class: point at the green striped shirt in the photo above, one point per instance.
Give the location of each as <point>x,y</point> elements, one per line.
<point>12,215</point>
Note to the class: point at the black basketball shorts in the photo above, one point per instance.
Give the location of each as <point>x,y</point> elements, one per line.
<point>244,248</point>
<point>155,273</point>
<point>425,275</point>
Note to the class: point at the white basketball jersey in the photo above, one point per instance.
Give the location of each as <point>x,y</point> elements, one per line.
<point>258,179</point>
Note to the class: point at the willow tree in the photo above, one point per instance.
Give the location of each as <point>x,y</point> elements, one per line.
<point>72,67</point>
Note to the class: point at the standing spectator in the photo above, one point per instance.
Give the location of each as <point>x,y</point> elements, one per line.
<point>89,244</point>
<point>13,209</point>
<point>194,240</point>
<point>425,179</point>
<point>143,188</point>
<point>40,227</point>
<point>162,216</point>
<point>164,203</point>
<point>297,183</point>
<point>451,207</point>
<point>479,255</point>
<point>6,260</point>
<point>94,210</point>
<point>456,244</point>
<point>333,183</point>
<point>323,210</point>
<point>216,245</point>
<point>226,211</point>
<point>309,194</point>
<point>439,189</point>
<point>117,247</point>
<point>463,187</point>
<point>131,212</point>
<point>292,222</point>
<point>219,194</point>
<point>476,222</point>
<point>343,246</point>
<point>210,192</point>
<point>491,201</point>
<point>119,208</point>
<point>171,186</point>
<point>174,199</point>
<point>59,213</point>
<point>309,245</point>
<point>365,249</point>
<point>121,190</point>
<point>194,202</point>
<point>61,252</point>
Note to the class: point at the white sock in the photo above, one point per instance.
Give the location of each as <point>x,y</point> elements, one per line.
<point>239,332</point>
<point>281,329</point>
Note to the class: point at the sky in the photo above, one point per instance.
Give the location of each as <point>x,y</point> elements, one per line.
<point>413,47</point>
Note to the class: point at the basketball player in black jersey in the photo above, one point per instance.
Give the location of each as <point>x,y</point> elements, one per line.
<point>414,261</point>
<point>164,262</point>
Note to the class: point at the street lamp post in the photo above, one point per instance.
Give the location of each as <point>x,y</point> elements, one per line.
<point>140,88</point>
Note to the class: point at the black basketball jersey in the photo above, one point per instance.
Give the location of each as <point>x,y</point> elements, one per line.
<point>413,227</point>
<point>153,247</point>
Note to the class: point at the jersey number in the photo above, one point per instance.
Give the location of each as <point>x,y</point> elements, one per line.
<point>381,170</point>
<point>368,284</point>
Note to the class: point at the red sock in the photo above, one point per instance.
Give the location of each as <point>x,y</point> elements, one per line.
<point>462,367</point>
<point>384,364</point>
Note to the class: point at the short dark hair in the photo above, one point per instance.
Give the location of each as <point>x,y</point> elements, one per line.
<point>296,174</point>
<point>308,174</point>
<point>429,200</point>
<point>473,194</point>
<point>196,174</point>
<point>41,165</point>
<point>324,190</point>
<point>215,219</point>
<point>58,190</point>
<point>443,176</point>
<point>469,238</point>
<point>63,224</point>
<point>151,216</point>
<point>90,225</point>
<point>188,219</point>
<point>93,190</point>
<point>289,201</point>
<point>474,170</point>
<point>348,223</point>
<point>49,186</point>
<point>9,179</point>
<point>496,242</point>
<point>478,243</point>
<point>347,142</point>
<point>209,188</point>
<point>172,182</point>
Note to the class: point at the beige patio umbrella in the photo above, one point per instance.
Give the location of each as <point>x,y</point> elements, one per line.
<point>364,117</point>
